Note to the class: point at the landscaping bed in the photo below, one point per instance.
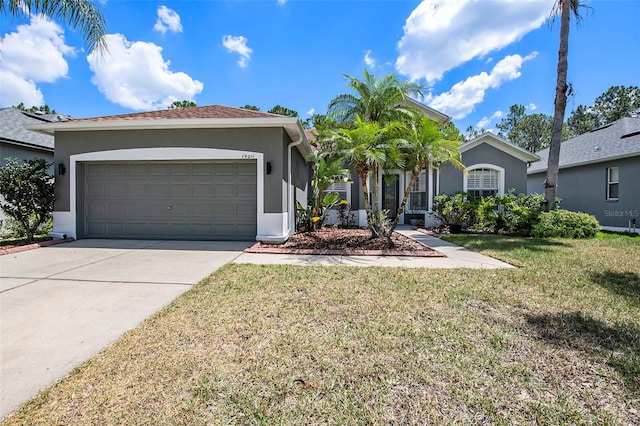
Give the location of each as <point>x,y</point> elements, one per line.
<point>339,241</point>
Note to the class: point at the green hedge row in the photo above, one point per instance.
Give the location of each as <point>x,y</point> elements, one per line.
<point>512,214</point>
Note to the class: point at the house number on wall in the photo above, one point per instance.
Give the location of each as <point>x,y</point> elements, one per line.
<point>248,156</point>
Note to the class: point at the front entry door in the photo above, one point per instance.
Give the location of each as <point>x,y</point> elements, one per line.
<point>390,194</point>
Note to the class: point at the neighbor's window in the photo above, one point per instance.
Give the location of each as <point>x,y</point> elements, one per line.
<point>341,188</point>
<point>612,183</point>
<point>483,182</point>
<point>418,196</point>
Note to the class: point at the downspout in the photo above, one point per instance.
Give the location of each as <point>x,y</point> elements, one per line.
<point>291,207</point>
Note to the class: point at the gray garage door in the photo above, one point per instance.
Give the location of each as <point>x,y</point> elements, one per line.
<point>170,200</point>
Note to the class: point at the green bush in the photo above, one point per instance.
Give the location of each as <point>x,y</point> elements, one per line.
<point>508,214</point>
<point>453,209</point>
<point>566,224</point>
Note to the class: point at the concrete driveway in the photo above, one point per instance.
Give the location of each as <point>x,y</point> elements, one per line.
<point>61,305</point>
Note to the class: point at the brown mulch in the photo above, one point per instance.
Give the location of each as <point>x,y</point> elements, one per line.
<point>338,241</point>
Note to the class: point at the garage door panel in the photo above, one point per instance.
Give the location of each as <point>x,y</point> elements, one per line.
<point>202,200</point>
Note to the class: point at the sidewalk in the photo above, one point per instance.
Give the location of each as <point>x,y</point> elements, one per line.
<point>456,257</point>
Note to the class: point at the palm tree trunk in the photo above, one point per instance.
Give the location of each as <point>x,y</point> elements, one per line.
<point>363,174</point>
<point>560,104</point>
<point>375,223</point>
<point>407,192</point>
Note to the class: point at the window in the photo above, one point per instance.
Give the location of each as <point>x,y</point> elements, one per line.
<point>483,182</point>
<point>418,196</point>
<point>341,188</point>
<point>612,183</point>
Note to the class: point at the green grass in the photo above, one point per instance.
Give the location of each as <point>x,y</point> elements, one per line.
<point>556,341</point>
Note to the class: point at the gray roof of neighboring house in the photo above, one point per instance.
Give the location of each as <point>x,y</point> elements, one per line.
<point>12,121</point>
<point>620,139</point>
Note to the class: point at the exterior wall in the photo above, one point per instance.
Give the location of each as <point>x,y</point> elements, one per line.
<point>515,170</point>
<point>584,189</point>
<point>262,144</point>
<point>23,153</point>
<point>271,142</point>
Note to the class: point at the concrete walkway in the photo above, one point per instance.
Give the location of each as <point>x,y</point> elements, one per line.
<point>61,305</point>
<point>456,257</point>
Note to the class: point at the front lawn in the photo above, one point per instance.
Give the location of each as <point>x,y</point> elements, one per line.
<point>555,341</point>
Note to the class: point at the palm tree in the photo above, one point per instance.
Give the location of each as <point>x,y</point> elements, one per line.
<point>366,147</point>
<point>83,14</point>
<point>424,145</point>
<point>375,100</point>
<point>566,9</point>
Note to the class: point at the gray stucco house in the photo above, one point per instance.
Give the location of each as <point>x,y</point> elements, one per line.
<point>493,166</point>
<point>210,172</point>
<point>599,174</point>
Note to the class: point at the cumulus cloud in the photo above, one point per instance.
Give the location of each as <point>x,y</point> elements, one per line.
<point>532,107</point>
<point>439,35</point>
<point>311,112</point>
<point>465,95</point>
<point>282,2</point>
<point>136,76</point>
<point>168,20</point>
<point>35,53</point>
<point>238,45</point>
<point>485,121</point>
<point>371,63</point>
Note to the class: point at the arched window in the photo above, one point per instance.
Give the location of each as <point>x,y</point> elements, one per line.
<point>484,180</point>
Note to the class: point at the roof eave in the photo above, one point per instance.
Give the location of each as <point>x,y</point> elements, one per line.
<point>26,144</point>
<point>586,163</point>
<point>505,146</point>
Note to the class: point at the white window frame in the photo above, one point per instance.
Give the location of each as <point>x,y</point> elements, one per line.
<point>422,182</point>
<point>500,170</point>
<point>610,182</point>
<point>347,189</point>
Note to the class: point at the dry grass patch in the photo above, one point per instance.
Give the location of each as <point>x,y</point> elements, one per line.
<point>556,341</point>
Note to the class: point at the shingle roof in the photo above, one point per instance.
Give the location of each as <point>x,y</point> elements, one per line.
<point>211,111</point>
<point>12,129</point>
<point>619,139</point>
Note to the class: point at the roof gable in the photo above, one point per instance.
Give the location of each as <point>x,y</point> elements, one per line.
<point>433,114</point>
<point>620,139</point>
<point>501,144</point>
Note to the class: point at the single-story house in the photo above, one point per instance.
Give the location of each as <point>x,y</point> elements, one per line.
<point>599,174</point>
<point>493,166</point>
<point>211,172</point>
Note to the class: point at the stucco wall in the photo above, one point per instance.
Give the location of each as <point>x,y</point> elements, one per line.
<point>23,153</point>
<point>272,142</point>
<point>584,189</point>
<point>452,179</point>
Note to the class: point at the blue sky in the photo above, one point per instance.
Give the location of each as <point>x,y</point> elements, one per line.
<point>476,57</point>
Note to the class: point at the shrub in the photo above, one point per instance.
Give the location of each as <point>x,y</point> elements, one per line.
<point>509,213</point>
<point>453,209</point>
<point>566,224</point>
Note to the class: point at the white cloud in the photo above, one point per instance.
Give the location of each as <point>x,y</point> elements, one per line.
<point>532,107</point>
<point>371,63</point>
<point>441,34</point>
<point>35,53</point>
<point>168,20</point>
<point>311,112</point>
<point>136,76</point>
<point>482,124</point>
<point>282,2</point>
<point>238,45</point>
<point>465,95</point>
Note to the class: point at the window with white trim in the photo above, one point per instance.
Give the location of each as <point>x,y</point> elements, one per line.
<point>342,189</point>
<point>418,194</point>
<point>483,182</point>
<point>612,183</point>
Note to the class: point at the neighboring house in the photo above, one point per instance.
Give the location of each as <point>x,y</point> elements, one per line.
<point>493,165</point>
<point>599,174</point>
<point>18,142</point>
<point>211,172</point>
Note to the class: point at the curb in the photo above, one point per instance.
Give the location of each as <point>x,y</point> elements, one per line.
<point>18,249</point>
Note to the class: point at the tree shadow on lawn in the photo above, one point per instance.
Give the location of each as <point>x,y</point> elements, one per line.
<point>619,345</point>
<point>625,284</point>
<point>480,242</point>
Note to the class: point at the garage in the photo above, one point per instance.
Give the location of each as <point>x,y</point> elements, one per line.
<point>206,200</point>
